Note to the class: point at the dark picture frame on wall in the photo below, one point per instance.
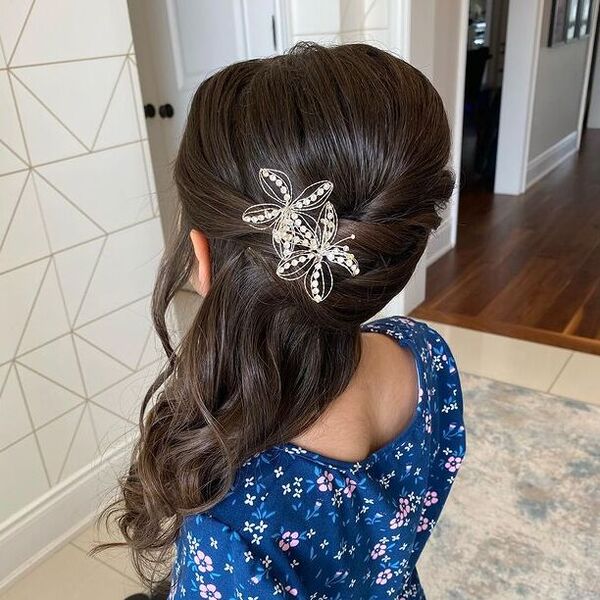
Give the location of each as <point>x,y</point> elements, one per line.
<point>571,20</point>
<point>558,22</point>
<point>584,18</point>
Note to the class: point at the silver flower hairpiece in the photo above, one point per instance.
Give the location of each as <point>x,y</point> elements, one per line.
<point>305,245</point>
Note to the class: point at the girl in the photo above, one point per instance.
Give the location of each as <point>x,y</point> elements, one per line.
<point>288,449</point>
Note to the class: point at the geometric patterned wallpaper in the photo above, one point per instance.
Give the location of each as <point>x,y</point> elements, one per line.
<point>80,235</point>
<point>80,240</point>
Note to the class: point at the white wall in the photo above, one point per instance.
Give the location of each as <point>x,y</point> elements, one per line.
<point>523,35</point>
<point>341,21</point>
<point>559,90</point>
<point>79,243</point>
<point>542,97</point>
<point>449,68</point>
<point>594,110</point>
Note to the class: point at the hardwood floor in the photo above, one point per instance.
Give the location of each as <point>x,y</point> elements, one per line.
<point>527,266</point>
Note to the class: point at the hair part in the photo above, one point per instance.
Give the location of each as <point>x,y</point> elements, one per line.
<point>261,361</point>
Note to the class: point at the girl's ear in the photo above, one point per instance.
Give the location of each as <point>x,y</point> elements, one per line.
<point>200,278</point>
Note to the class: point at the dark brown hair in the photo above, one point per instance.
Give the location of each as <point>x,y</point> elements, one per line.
<point>261,360</point>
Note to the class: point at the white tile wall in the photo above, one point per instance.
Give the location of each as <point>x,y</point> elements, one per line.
<point>79,241</point>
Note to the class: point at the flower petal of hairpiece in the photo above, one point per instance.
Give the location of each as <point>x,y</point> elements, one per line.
<point>304,244</point>
<point>287,215</point>
<point>311,262</point>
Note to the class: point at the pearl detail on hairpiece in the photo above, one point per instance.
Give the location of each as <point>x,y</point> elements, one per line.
<point>305,245</point>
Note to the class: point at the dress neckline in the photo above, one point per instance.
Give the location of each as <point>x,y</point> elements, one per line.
<point>327,461</point>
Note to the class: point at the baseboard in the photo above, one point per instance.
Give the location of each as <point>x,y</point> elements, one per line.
<point>440,242</point>
<point>550,159</point>
<point>58,516</point>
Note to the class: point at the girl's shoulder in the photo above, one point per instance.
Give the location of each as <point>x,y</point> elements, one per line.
<point>404,330</point>
<point>440,390</point>
<point>431,351</point>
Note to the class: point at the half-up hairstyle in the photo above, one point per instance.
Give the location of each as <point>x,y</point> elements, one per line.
<point>261,361</point>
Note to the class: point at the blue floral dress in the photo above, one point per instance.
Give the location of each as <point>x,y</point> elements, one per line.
<point>297,524</point>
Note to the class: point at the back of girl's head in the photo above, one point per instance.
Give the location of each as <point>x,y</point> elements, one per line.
<point>261,359</point>
<point>352,114</point>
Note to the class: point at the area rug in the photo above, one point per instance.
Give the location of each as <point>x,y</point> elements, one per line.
<point>523,519</point>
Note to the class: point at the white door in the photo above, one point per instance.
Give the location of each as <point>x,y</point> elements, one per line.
<point>179,43</point>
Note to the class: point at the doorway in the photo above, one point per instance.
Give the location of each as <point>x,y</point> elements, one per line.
<point>486,41</point>
<point>526,260</point>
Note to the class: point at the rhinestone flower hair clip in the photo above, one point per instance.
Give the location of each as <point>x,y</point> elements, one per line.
<point>305,244</point>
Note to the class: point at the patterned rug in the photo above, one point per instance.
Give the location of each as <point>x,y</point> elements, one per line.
<point>523,519</point>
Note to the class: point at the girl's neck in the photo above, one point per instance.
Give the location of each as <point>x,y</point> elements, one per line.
<point>375,407</point>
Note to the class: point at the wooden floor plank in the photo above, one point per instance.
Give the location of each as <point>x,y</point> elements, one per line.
<point>527,266</point>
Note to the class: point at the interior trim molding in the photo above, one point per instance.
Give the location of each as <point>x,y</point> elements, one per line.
<point>440,242</point>
<point>59,515</point>
<point>549,159</point>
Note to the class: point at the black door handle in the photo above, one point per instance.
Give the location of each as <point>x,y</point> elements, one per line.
<point>149,111</point>
<point>166,111</point>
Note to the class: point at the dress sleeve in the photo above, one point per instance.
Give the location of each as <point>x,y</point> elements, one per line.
<point>214,562</point>
<point>445,426</point>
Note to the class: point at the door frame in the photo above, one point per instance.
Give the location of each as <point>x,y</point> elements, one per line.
<point>414,38</point>
<point>523,38</point>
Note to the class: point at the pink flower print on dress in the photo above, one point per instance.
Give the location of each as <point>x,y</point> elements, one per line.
<point>325,482</point>
<point>401,513</point>
<point>288,540</point>
<point>453,463</point>
<point>378,550</point>
<point>431,497</point>
<point>210,591</point>
<point>423,524</point>
<point>350,487</point>
<point>384,576</point>
<point>291,591</point>
<point>203,561</point>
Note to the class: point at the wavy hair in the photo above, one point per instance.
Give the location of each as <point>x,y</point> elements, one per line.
<point>261,361</point>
